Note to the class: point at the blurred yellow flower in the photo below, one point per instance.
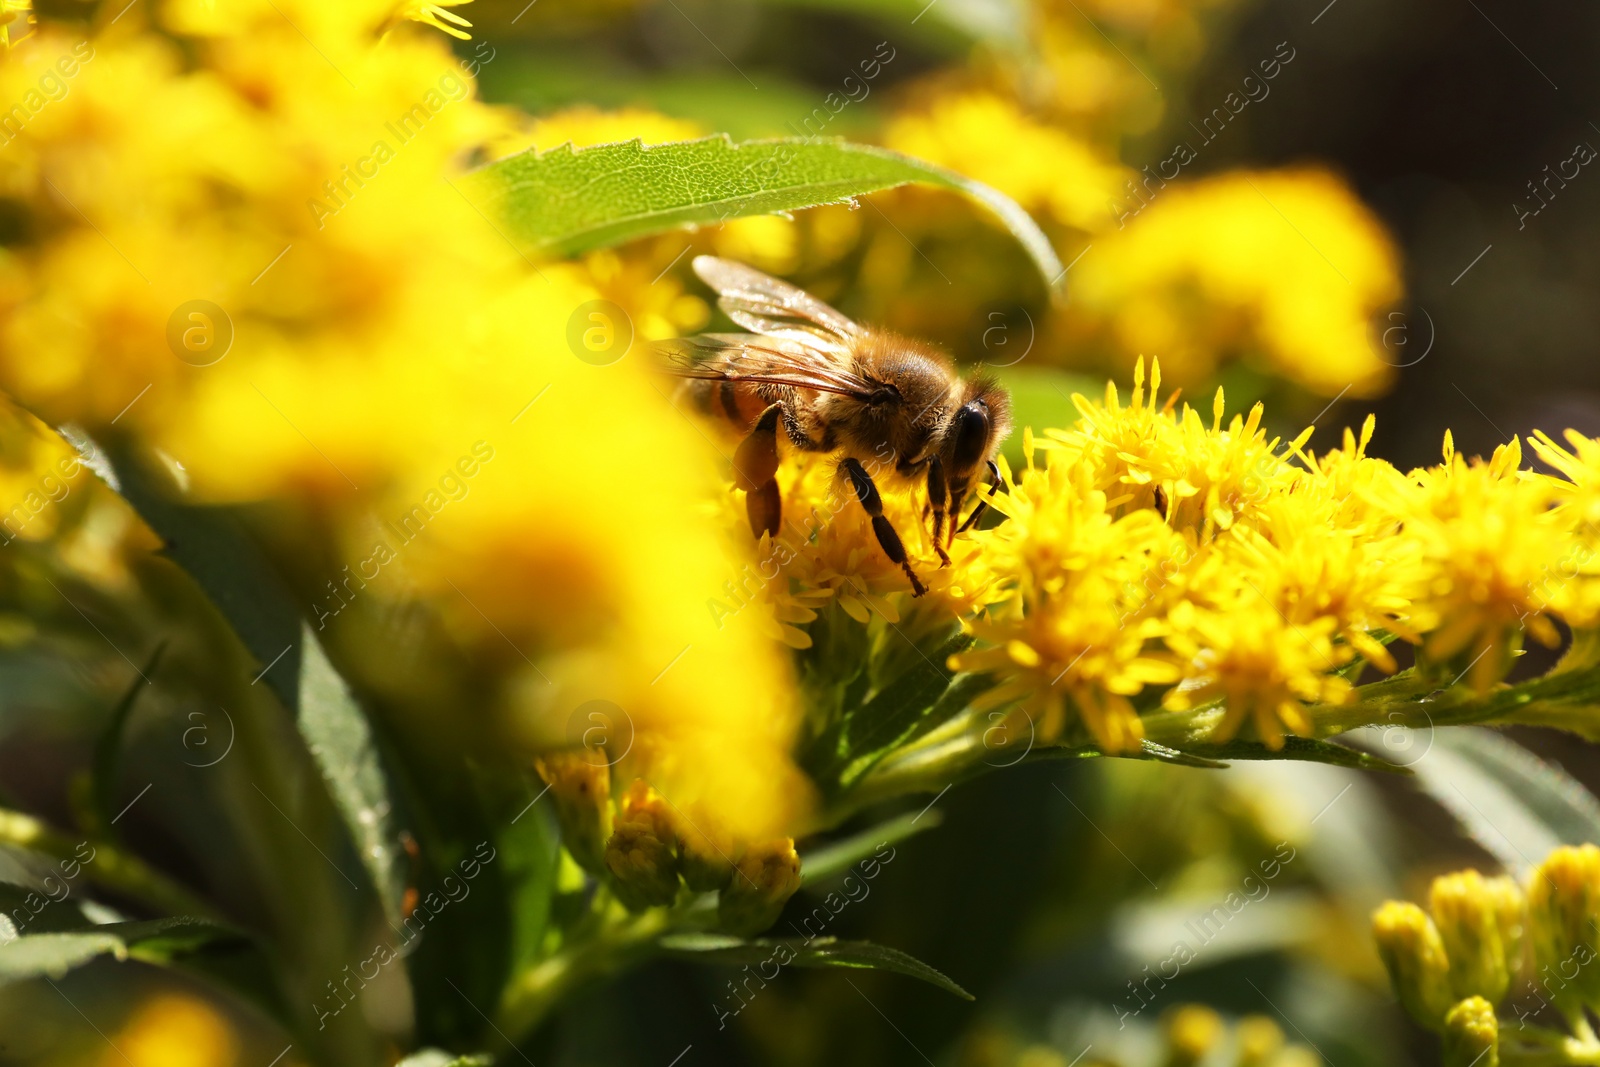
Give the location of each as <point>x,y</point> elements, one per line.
<point>260,265</point>
<point>1285,268</point>
<point>171,1030</point>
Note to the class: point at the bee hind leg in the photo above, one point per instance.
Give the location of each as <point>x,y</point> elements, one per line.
<point>872,503</point>
<point>939,498</point>
<point>755,468</point>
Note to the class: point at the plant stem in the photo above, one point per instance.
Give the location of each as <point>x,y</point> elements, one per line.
<point>531,995</point>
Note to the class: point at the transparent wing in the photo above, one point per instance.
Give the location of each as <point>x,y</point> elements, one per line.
<point>744,357</point>
<point>763,304</point>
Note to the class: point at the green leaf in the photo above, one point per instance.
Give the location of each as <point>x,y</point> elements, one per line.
<point>1294,748</point>
<point>1517,806</point>
<point>818,952</point>
<point>565,201</point>
<point>214,548</point>
<point>108,747</point>
<point>340,739</point>
<point>836,857</point>
<point>52,955</point>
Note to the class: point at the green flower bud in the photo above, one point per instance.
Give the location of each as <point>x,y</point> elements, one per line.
<point>580,784</point>
<point>1563,908</point>
<point>764,878</point>
<point>1466,914</point>
<point>1411,949</point>
<point>1472,1035</point>
<point>640,854</point>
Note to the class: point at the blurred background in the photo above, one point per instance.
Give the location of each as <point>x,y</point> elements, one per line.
<point>1339,208</point>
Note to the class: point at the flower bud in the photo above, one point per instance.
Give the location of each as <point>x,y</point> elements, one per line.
<point>705,859</point>
<point>1472,1035</point>
<point>639,854</point>
<point>1192,1031</point>
<point>1414,955</point>
<point>1563,907</point>
<point>1259,1040</point>
<point>1467,916</point>
<point>580,783</point>
<point>764,878</point>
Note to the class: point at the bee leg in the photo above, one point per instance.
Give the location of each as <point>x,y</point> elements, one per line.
<point>939,497</point>
<point>893,547</point>
<point>755,466</point>
<point>981,506</point>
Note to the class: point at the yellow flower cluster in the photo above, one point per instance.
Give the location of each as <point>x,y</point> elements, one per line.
<point>1152,559</point>
<point>1286,268</point>
<point>243,246</point>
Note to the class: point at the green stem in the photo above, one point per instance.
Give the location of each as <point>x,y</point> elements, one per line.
<point>533,993</point>
<point>110,867</point>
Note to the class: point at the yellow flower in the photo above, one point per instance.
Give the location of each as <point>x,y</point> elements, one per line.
<point>1572,582</point>
<point>16,21</point>
<point>1070,633</point>
<point>1485,536</point>
<point>438,16</point>
<point>1185,277</point>
<point>988,137</point>
<point>170,1030</point>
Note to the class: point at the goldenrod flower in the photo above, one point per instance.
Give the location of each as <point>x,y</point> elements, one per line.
<point>438,16</point>
<point>1485,536</point>
<point>1070,633</point>
<point>392,366</point>
<point>1333,269</point>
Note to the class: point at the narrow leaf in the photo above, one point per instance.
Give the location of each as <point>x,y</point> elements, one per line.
<point>1517,806</point>
<point>817,952</point>
<point>565,201</point>
<point>108,747</point>
<point>1294,748</point>
<point>839,856</point>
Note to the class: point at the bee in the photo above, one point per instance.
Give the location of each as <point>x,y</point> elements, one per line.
<point>834,386</point>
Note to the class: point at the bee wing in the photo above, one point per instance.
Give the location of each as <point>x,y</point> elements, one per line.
<point>745,357</point>
<point>763,304</point>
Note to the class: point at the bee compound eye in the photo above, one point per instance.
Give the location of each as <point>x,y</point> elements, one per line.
<point>972,435</point>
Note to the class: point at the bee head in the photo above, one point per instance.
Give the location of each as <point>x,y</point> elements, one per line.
<point>981,422</point>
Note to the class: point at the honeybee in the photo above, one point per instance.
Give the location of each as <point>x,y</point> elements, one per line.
<point>835,386</point>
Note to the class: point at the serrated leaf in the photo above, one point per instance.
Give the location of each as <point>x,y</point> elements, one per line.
<point>817,952</point>
<point>341,741</point>
<point>1514,804</point>
<point>52,955</point>
<point>839,856</point>
<point>565,201</point>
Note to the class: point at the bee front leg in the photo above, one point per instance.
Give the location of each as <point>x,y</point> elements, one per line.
<point>755,468</point>
<point>867,493</point>
<point>982,505</point>
<point>939,497</point>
